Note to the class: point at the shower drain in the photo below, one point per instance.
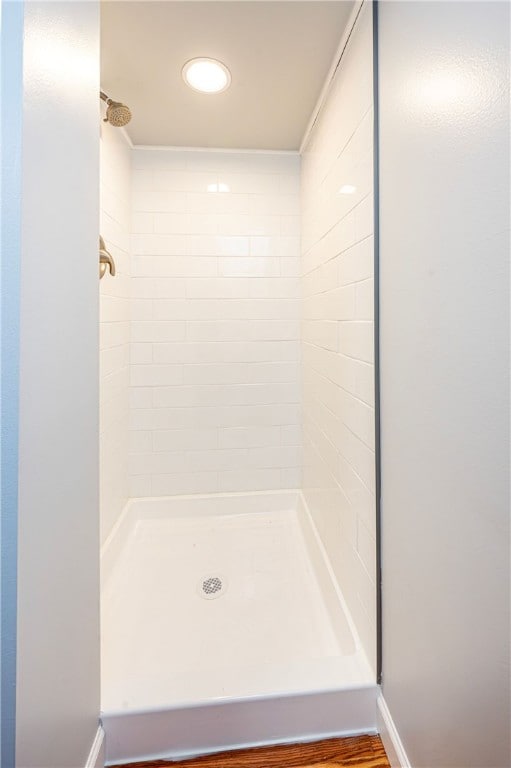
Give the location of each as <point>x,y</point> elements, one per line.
<point>211,587</point>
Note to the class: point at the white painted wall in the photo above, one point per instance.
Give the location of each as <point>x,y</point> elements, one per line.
<point>444,97</point>
<point>338,370</point>
<point>215,322</point>
<point>114,327</point>
<point>58,569</point>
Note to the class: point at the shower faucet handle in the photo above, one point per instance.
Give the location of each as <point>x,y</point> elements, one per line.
<point>105,259</point>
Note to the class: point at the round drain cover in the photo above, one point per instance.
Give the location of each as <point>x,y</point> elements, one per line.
<point>212,586</point>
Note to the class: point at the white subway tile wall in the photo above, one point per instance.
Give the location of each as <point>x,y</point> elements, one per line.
<point>338,331</point>
<point>215,322</point>
<point>114,328</point>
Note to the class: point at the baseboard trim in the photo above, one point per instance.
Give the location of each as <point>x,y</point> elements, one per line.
<point>96,757</point>
<point>390,736</point>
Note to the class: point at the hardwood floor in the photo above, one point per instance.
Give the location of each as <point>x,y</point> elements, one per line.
<point>359,751</point>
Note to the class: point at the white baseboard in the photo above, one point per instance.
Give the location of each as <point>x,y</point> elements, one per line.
<point>96,757</point>
<point>390,737</point>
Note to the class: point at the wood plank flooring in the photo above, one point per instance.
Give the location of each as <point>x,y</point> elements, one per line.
<point>359,751</point>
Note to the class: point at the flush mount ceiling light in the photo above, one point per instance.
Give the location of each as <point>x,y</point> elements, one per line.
<point>206,75</point>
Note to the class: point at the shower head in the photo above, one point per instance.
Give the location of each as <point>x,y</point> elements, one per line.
<point>117,114</point>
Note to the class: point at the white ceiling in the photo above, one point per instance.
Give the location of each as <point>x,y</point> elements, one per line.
<point>279,54</point>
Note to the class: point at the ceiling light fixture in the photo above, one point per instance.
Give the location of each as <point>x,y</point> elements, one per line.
<point>347,189</point>
<point>206,75</point>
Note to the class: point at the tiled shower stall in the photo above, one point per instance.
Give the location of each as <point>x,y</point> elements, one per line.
<point>237,337</point>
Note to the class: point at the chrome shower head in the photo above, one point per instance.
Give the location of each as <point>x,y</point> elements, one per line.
<point>117,114</point>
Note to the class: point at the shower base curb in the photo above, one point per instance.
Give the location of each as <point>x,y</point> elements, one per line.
<point>185,732</point>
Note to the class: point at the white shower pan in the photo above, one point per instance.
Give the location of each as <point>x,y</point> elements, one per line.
<point>223,627</point>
